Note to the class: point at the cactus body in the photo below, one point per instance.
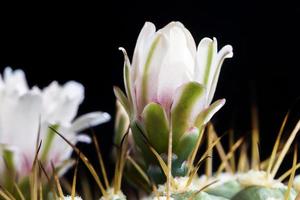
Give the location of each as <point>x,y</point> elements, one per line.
<point>263,193</point>
<point>228,189</point>
<point>199,196</point>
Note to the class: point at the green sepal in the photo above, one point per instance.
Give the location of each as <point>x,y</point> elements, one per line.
<point>204,116</point>
<point>134,178</point>
<point>157,127</point>
<point>121,123</point>
<point>186,144</point>
<point>156,174</point>
<point>8,157</point>
<point>48,141</point>
<point>122,99</point>
<point>10,171</point>
<point>127,75</point>
<point>120,130</point>
<point>141,142</point>
<point>185,101</point>
<point>179,168</point>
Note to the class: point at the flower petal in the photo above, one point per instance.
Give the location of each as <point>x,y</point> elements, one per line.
<point>225,52</point>
<point>177,66</point>
<point>61,102</point>
<point>206,52</point>
<point>189,40</point>
<point>186,99</point>
<point>89,120</point>
<point>147,81</point>
<point>142,47</point>
<point>208,113</point>
<point>156,126</point>
<point>59,151</point>
<point>170,79</point>
<point>83,138</point>
<point>20,120</point>
<point>15,81</point>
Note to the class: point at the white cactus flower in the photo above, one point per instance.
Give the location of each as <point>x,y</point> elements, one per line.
<point>170,81</point>
<point>24,109</point>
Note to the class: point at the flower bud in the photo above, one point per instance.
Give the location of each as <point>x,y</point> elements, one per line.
<point>169,86</point>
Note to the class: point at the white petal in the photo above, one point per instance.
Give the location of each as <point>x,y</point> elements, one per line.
<point>143,61</point>
<point>173,55</point>
<point>90,120</point>
<point>205,53</point>
<point>188,36</point>
<point>15,81</point>
<point>61,103</point>
<point>143,44</point>
<point>180,46</point>
<point>178,64</point>
<point>225,52</point>
<point>20,120</point>
<point>147,82</point>
<point>170,79</point>
<point>23,110</point>
<point>84,138</point>
<point>60,150</point>
<point>209,62</point>
<point>74,90</point>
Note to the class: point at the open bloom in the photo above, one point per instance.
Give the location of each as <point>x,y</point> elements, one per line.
<point>23,111</point>
<point>170,85</point>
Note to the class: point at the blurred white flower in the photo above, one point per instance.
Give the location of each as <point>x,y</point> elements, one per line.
<point>24,109</point>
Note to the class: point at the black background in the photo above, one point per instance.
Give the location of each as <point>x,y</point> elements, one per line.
<point>79,41</point>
